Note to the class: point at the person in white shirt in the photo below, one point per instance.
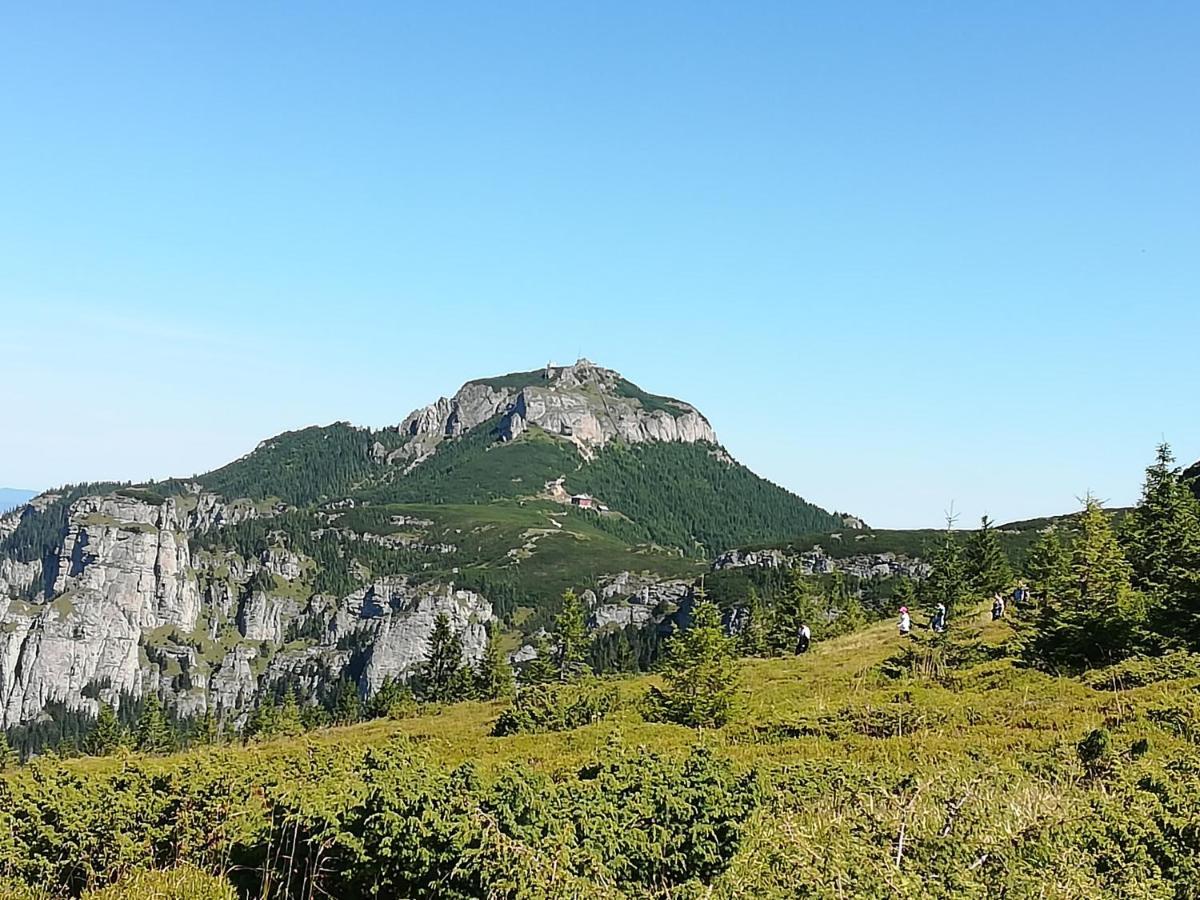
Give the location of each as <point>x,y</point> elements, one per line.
<point>803,639</point>
<point>905,621</point>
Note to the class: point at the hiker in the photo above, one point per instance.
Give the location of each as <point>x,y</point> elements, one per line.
<point>997,606</point>
<point>1020,594</point>
<point>939,618</point>
<point>905,622</point>
<point>803,639</point>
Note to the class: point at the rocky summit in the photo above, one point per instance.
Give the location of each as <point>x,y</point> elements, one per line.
<point>321,559</point>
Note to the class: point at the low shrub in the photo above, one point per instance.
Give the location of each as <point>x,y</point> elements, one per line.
<point>1140,671</point>
<point>183,883</point>
<point>557,707</point>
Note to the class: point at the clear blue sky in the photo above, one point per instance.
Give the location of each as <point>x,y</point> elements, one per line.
<point>900,254</point>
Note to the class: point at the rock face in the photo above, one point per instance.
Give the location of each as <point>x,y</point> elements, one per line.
<point>817,562</point>
<point>130,608</point>
<point>584,402</point>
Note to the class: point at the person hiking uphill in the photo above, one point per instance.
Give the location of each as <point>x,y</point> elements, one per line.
<point>939,618</point>
<point>905,622</point>
<point>803,639</point>
<point>997,606</point>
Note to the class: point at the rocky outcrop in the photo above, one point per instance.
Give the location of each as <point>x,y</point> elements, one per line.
<point>584,403</point>
<point>131,609</point>
<point>817,562</point>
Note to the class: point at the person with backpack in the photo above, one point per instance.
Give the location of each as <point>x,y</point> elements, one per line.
<point>939,618</point>
<point>905,622</point>
<point>803,639</point>
<point>997,606</point>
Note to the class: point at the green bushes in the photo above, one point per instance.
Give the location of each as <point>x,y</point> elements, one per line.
<point>1143,670</point>
<point>312,821</point>
<point>557,707</point>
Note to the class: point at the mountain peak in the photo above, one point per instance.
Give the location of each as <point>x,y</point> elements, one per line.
<point>583,403</point>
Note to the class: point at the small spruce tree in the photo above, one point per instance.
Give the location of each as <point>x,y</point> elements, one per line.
<point>443,678</point>
<point>493,675</point>
<point>1096,618</point>
<point>947,579</point>
<point>701,672</point>
<point>753,640</point>
<point>153,734</point>
<point>288,722</point>
<point>985,563</point>
<point>1162,541</point>
<point>540,669</point>
<point>571,638</point>
<point>8,756</point>
<point>106,736</point>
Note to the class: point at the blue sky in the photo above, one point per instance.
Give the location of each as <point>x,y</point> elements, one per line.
<point>900,254</point>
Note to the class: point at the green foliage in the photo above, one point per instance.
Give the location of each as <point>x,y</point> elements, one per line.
<point>570,637</point>
<point>700,671</point>
<point>1162,541</point>
<point>182,883</point>
<point>550,707</point>
<point>153,733</point>
<point>443,678</point>
<point>754,638</point>
<point>1143,670</point>
<point>985,564</point>
<point>798,605</point>
<point>651,403</point>
<point>8,757</point>
<point>690,496</point>
<point>108,734</point>
<point>393,700</point>
<point>947,581</point>
<point>39,532</point>
<point>494,679</point>
<point>540,669</point>
<point>1096,617</point>
<point>299,467</point>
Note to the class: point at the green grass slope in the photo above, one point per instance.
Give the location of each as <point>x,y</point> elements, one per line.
<point>975,786</point>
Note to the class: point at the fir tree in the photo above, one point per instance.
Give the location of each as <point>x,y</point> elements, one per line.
<point>1048,568</point>
<point>570,634</point>
<point>288,722</point>
<point>347,705</point>
<point>947,579</point>
<point>986,566</point>
<point>798,605</point>
<point>107,735</point>
<point>623,659</point>
<point>753,638</point>
<point>209,732</point>
<point>493,676</point>
<point>262,722</point>
<point>153,734</point>
<point>1096,617</point>
<point>540,669</point>
<point>8,757</point>
<point>700,669</point>
<point>1162,541</point>
<point>442,675</point>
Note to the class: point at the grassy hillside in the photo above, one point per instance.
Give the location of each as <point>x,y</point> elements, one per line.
<point>972,786</point>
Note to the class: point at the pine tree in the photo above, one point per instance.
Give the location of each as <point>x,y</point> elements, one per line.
<point>209,732</point>
<point>1096,618</point>
<point>540,669</point>
<point>8,757</point>
<point>106,736</point>
<point>1162,541</point>
<point>701,672</point>
<point>624,659</point>
<point>798,605</point>
<point>947,579</point>
<point>288,722</point>
<point>753,638</point>
<point>905,593</point>
<point>493,676</point>
<point>1048,568</point>
<point>986,565</point>
<point>441,676</point>
<point>571,638</point>
<point>153,733</point>
<point>347,705</point>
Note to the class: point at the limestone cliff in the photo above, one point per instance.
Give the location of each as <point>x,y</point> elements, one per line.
<point>585,403</point>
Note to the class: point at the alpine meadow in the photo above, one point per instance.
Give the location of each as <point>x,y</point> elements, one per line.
<point>659,451</point>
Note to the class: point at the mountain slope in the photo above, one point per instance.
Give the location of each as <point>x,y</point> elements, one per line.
<point>11,498</point>
<point>323,556</point>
